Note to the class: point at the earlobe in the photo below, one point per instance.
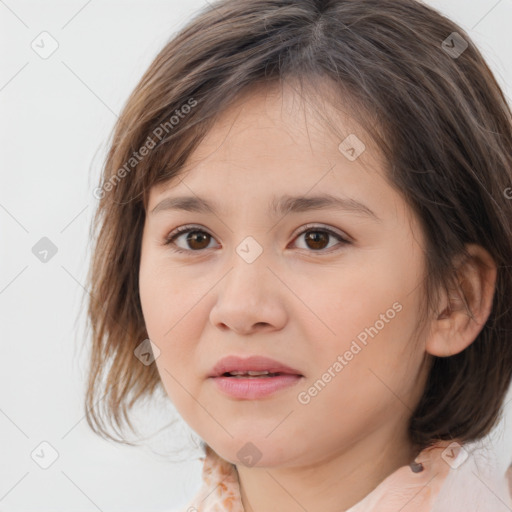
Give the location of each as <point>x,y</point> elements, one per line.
<point>455,327</point>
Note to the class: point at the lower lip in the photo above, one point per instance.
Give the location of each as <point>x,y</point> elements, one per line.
<point>254,387</point>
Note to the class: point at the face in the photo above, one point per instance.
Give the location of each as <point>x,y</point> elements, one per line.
<point>330,290</point>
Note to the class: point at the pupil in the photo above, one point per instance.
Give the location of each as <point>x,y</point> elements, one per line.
<point>316,237</point>
<point>194,236</point>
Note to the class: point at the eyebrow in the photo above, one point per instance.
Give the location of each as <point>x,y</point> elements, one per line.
<point>277,207</point>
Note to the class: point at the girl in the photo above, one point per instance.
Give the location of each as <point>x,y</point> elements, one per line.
<point>304,237</point>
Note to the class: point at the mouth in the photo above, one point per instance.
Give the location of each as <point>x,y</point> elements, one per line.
<point>252,378</point>
<point>253,367</point>
<point>237,374</point>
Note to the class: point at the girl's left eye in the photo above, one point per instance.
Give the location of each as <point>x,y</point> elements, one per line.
<point>198,239</point>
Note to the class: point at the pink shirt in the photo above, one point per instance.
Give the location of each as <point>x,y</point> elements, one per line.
<point>453,480</point>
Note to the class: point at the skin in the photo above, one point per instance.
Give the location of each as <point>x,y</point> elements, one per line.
<point>300,303</point>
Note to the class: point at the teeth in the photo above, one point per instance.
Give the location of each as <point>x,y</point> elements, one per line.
<point>251,373</point>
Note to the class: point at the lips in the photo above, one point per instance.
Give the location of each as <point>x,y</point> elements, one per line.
<point>242,366</point>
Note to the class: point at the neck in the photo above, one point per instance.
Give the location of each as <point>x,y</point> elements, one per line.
<point>330,484</point>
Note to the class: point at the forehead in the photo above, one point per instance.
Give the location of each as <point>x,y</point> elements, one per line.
<point>282,115</point>
<point>271,135</point>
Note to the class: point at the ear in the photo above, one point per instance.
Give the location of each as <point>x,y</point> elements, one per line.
<point>454,328</point>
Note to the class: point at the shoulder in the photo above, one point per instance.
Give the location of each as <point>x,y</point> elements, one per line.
<point>476,481</point>
<point>451,477</point>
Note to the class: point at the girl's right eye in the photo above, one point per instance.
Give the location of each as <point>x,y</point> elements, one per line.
<point>195,236</point>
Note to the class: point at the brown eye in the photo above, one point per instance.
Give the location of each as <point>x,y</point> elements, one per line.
<point>195,239</point>
<point>317,238</point>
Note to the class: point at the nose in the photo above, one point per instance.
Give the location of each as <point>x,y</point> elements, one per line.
<point>250,298</point>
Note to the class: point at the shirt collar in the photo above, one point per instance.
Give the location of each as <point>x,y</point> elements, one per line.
<point>409,488</point>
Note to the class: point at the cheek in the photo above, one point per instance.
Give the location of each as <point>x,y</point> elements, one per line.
<point>166,294</point>
<point>176,305</point>
<point>360,298</point>
<point>167,304</point>
<point>368,316</point>
<point>361,384</point>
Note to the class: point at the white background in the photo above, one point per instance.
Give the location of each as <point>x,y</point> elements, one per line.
<point>56,114</point>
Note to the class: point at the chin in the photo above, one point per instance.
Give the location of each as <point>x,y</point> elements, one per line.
<point>256,453</point>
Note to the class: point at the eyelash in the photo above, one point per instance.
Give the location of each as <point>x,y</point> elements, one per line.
<point>169,240</point>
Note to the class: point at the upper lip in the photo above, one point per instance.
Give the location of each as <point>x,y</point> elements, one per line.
<point>254,363</point>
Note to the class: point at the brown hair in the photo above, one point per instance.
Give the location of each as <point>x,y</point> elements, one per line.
<point>444,128</point>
